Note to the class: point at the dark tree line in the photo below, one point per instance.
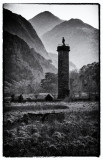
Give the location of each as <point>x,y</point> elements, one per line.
<point>87,79</point>
<point>90,77</point>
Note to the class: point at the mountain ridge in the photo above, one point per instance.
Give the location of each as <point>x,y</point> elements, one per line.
<point>45,19</point>
<point>17,25</point>
<point>82,38</point>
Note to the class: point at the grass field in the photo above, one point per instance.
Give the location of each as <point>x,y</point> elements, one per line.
<point>51,129</point>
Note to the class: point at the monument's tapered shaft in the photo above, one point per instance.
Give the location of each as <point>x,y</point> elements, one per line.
<point>63,70</point>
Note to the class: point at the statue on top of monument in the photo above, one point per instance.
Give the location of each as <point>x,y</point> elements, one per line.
<point>63,41</point>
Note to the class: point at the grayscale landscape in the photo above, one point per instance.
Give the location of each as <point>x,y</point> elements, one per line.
<point>51,85</point>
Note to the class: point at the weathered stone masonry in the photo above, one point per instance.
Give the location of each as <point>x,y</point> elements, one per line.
<point>63,71</point>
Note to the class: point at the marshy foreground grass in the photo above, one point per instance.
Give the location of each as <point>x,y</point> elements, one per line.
<point>62,129</point>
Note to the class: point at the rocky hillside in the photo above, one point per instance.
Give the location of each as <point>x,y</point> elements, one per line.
<point>23,67</point>
<point>17,25</point>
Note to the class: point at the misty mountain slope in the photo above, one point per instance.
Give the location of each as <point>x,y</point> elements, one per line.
<point>17,25</point>
<point>82,38</point>
<point>44,22</point>
<point>23,67</point>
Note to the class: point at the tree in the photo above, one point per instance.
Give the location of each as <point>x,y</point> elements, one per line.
<point>75,83</point>
<point>50,83</point>
<point>90,77</point>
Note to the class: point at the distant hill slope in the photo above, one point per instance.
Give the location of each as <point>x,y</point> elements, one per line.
<point>23,67</point>
<point>44,22</point>
<point>17,25</point>
<point>82,38</point>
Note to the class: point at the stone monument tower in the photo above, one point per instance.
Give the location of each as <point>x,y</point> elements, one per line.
<point>63,70</point>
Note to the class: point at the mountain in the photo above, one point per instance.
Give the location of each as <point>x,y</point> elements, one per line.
<point>82,38</point>
<point>44,22</point>
<point>17,25</point>
<point>23,67</point>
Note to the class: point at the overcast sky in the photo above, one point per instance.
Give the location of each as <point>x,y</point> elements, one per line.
<point>87,13</point>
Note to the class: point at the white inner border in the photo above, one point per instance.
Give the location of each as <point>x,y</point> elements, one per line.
<point>1,70</point>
